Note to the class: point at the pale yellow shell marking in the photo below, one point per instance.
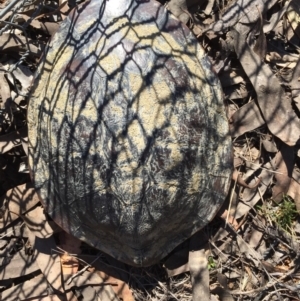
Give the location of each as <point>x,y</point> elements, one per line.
<point>171,186</point>
<point>195,182</point>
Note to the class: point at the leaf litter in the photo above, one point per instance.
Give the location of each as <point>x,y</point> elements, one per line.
<point>251,249</point>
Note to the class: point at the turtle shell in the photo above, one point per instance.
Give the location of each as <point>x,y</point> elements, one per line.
<point>129,146</point>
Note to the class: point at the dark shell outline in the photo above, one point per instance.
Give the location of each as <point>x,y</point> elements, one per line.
<point>142,251</point>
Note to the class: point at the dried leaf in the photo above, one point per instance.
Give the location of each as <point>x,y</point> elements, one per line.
<point>112,274</point>
<point>100,289</point>
<point>18,201</point>
<point>177,262</point>
<point>243,11</point>
<point>269,144</point>
<point>250,197</point>
<point>294,17</point>
<point>230,78</point>
<point>209,7</point>
<point>274,105</point>
<point>294,84</point>
<point>4,93</point>
<point>18,265</point>
<point>294,192</point>
<point>69,264</point>
<point>48,262</point>
<point>24,75</point>
<point>35,288</point>
<point>246,119</point>
<point>120,288</point>
<point>179,9</point>
<point>18,43</point>
<point>47,27</point>
<point>260,47</point>
<point>37,223</point>
<point>11,140</point>
<point>284,163</point>
<point>276,17</point>
<point>256,234</point>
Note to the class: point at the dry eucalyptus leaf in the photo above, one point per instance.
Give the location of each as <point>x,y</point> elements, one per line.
<point>293,16</point>
<point>294,192</point>
<point>69,264</point>
<point>4,93</point>
<point>260,47</point>
<point>37,287</point>
<point>276,108</point>
<point>179,9</point>
<point>24,75</point>
<point>18,201</point>
<point>296,174</point>
<point>37,223</point>
<point>295,83</point>
<point>242,11</point>
<point>276,17</point>
<point>268,144</point>
<point>18,43</point>
<point>245,119</point>
<point>47,27</point>
<point>284,164</point>
<point>18,265</point>
<point>256,234</point>
<point>229,78</point>
<point>250,197</point>
<point>10,140</point>
<point>48,261</point>
<point>102,290</point>
<point>120,287</point>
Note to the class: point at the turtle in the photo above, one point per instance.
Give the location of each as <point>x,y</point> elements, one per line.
<point>129,147</point>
